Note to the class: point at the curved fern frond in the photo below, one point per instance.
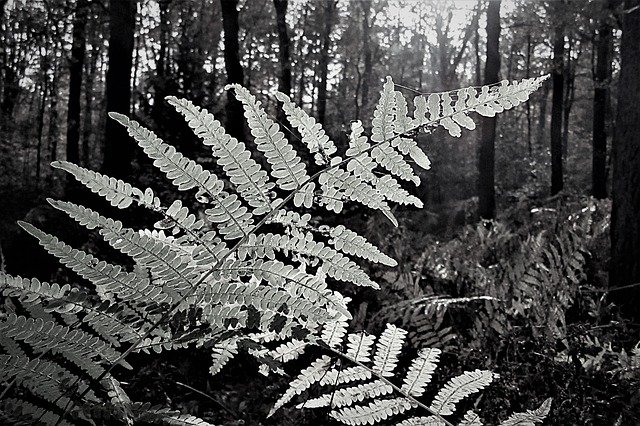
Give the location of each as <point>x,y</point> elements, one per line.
<point>313,135</point>
<point>470,419</point>
<point>529,417</point>
<point>388,349</point>
<point>460,387</point>
<point>251,181</point>
<point>347,241</point>
<point>145,413</point>
<point>286,166</point>
<point>420,371</point>
<point>349,396</point>
<point>230,216</point>
<point>373,412</point>
<point>24,413</point>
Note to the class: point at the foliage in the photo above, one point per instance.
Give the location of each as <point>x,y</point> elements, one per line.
<point>62,342</point>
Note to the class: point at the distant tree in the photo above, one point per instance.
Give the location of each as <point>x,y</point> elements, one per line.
<point>284,55</point>
<point>625,218</point>
<point>602,80</point>
<point>486,157</point>
<point>557,102</point>
<point>76,63</point>
<point>329,16</point>
<point>234,122</point>
<point>118,150</point>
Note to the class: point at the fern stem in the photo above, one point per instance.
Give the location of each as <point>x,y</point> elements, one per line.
<point>386,381</point>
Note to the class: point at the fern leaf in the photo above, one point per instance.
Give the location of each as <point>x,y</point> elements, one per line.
<point>458,388</point>
<point>108,279</point>
<point>313,135</point>
<point>471,419</point>
<point>403,124</point>
<point>349,396</point>
<point>335,264</point>
<point>221,354</point>
<point>372,413</point>
<point>336,377</point>
<point>347,241</point>
<point>286,166</point>
<point>359,346</point>
<point>231,217</point>
<point>304,381</point>
<point>250,180</point>
<point>333,332</point>
<point>145,413</point>
<point>529,417</point>
<point>388,349</point>
<point>168,265</point>
<point>422,421</point>
<point>420,372</point>
<point>23,413</point>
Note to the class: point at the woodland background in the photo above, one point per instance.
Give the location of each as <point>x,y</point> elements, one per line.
<point>522,206</point>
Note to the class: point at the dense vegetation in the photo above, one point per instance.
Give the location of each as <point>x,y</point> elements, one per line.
<point>508,265</point>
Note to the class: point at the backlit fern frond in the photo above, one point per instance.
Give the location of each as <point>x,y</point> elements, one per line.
<point>366,393</point>
<point>251,181</point>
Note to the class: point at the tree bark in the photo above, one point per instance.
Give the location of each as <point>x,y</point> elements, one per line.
<point>602,79</point>
<point>90,73</point>
<point>486,157</point>
<point>118,147</point>
<point>557,101</point>
<point>329,12</point>
<point>625,220</point>
<point>368,58</point>
<point>234,121</point>
<point>284,56</point>
<point>76,63</point>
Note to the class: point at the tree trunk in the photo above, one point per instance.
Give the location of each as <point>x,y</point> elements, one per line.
<point>528,104</point>
<point>602,79</point>
<point>118,147</point>
<point>284,56</point>
<point>486,157</point>
<point>625,220</point>
<point>75,81</point>
<point>329,12</point>
<point>90,73</point>
<point>234,120</point>
<point>368,58</point>
<point>557,101</point>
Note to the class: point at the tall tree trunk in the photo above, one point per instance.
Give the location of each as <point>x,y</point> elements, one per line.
<point>329,12</point>
<point>557,101</point>
<point>486,157</point>
<point>569,94</point>
<point>90,73</point>
<point>602,80</point>
<point>118,148</point>
<point>234,121</point>
<point>284,56</point>
<point>76,64</point>
<point>528,104</point>
<point>368,58</point>
<point>625,220</point>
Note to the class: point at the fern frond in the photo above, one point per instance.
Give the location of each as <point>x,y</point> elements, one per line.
<point>529,417</point>
<point>349,396</point>
<point>422,421</point>
<point>230,216</point>
<point>286,166</point>
<point>439,109</point>
<point>373,412</point>
<point>23,413</point>
<point>304,381</point>
<point>313,135</point>
<point>359,346</point>
<point>458,388</point>
<point>333,332</point>
<point>347,241</point>
<point>336,377</point>
<point>335,264</point>
<point>251,181</point>
<point>470,419</point>
<point>388,349</point>
<point>166,264</point>
<point>145,413</point>
<point>420,372</point>
<point>221,354</point>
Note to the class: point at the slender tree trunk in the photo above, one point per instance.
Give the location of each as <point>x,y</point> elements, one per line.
<point>284,57</point>
<point>602,80</point>
<point>476,46</point>
<point>90,72</point>
<point>625,220</point>
<point>569,76</point>
<point>557,180</point>
<point>234,120</point>
<point>486,157</point>
<point>368,58</point>
<point>329,12</point>
<point>528,104</point>
<point>76,64</point>
<point>118,147</point>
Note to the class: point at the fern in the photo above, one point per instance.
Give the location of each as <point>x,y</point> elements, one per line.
<point>241,286</point>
